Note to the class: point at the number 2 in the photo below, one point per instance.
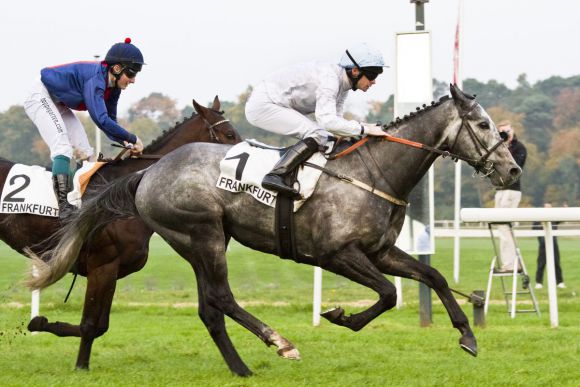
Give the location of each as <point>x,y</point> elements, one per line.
<point>10,196</point>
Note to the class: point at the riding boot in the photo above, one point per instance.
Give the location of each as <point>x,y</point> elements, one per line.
<point>294,156</point>
<point>61,189</point>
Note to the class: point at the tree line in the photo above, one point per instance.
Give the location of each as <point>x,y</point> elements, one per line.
<point>545,116</point>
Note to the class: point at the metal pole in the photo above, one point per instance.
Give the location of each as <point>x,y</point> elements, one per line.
<point>419,14</point>
<point>425,311</point>
<point>457,197</point>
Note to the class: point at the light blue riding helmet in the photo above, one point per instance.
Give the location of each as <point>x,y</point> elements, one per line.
<point>362,55</point>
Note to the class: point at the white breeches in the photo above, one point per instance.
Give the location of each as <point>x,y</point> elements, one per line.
<point>263,113</point>
<point>60,129</point>
<point>507,198</point>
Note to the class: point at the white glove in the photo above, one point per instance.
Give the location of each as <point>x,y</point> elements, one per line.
<point>137,148</point>
<point>373,129</point>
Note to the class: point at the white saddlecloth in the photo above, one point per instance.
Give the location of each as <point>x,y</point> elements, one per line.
<point>244,167</point>
<point>28,190</point>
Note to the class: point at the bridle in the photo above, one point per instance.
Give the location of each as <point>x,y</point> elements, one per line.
<point>212,134</point>
<point>482,164</point>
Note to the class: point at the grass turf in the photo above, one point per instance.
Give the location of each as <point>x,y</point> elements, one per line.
<point>156,338</point>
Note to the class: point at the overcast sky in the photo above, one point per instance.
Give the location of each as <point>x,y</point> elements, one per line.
<point>197,49</point>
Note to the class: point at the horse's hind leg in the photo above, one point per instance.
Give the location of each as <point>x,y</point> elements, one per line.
<point>101,284</point>
<point>209,262</point>
<point>61,329</point>
<point>397,262</point>
<point>355,265</point>
<point>215,324</point>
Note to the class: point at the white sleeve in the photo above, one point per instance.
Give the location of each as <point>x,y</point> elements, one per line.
<point>326,111</point>
<point>340,104</point>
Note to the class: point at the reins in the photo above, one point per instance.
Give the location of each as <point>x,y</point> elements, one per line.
<point>212,135</point>
<point>479,164</point>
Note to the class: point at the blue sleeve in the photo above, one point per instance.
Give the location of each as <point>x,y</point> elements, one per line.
<point>93,95</point>
<point>111,104</point>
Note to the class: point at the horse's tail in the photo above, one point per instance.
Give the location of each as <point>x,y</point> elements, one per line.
<point>116,201</point>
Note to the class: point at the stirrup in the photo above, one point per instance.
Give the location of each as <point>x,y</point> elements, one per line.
<point>275,182</point>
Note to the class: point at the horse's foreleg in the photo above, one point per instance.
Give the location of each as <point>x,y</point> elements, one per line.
<point>397,262</point>
<point>101,283</point>
<point>355,265</point>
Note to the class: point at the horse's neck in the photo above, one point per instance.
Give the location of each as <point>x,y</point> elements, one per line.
<point>404,166</point>
<point>185,132</point>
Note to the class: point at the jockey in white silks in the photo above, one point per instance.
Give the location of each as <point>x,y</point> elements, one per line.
<point>282,101</point>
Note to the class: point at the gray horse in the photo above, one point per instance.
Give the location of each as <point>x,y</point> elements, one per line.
<point>342,228</point>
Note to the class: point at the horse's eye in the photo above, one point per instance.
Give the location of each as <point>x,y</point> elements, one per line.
<point>230,135</point>
<point>483,125</point>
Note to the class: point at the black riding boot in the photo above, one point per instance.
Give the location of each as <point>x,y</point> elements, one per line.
<point>294,156</point>
<point>61,189</point>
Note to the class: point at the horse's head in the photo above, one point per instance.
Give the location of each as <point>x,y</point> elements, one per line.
<point>219,129</point>
<point>208,125</point>
<point>479,142</point>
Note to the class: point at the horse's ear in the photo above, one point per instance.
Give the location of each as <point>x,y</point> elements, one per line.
<point>455,92</point>
<point>461,99</point>
<point>216,104</point>
<point>198,108</point>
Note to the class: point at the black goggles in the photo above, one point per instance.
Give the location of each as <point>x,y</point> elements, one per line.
<point>130,73</point>
<point>132,69</point>
<point>371,73</point>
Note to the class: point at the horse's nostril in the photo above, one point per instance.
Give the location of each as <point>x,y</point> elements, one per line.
<point>515,172</point>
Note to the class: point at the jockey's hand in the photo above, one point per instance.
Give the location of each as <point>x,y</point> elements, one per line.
<point>137,148</point>
<point>374,130</point>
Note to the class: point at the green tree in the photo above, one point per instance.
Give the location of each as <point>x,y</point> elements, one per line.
<point>20,140</point>
<point>381,111</point>
<point>157,107</point>
<point>567,111</point>
<point>235,112</point>
<point>488,94</point>
<point>538,117</point>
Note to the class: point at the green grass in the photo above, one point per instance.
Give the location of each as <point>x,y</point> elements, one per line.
<point>156,337</point>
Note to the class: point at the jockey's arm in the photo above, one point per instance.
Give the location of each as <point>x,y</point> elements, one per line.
<point>94,99</point>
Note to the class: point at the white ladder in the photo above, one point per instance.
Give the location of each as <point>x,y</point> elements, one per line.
<point>510,296</point>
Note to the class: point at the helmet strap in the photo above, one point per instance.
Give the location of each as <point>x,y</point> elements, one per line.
<point>117,74</point>
<point>354,80</point>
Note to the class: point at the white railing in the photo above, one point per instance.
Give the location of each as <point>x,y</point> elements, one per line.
<point>547,216</point>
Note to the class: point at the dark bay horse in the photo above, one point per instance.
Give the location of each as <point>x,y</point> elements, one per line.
<point>341,228</point>
<point>119,249</point>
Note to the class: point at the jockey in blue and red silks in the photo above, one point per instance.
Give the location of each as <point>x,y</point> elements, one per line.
<point>91,86</point>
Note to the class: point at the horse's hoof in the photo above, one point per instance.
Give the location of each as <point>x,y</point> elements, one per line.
<point>333,315</point>
<point>82,368</point>
<point>290,353</point>
<point>469,345</point>
<point>37,324</point>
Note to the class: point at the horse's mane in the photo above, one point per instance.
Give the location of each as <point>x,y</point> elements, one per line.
<point>419,111</point>
<point>167,133</point>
